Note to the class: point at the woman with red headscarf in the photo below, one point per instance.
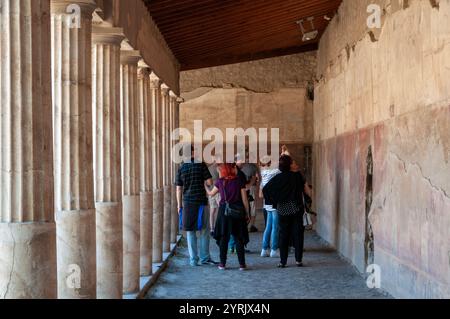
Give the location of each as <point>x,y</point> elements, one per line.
<point>233,194</point>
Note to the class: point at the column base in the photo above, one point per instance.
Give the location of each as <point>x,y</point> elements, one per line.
<point>131,243</point>
<point>167,218</point>
<point>28,261</point>
<point>109,250</point>
<point>76,254</point>
<point>146,222</point>
<point>158,219</point>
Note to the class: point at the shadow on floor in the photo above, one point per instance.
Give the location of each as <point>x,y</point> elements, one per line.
<point>325,275</point>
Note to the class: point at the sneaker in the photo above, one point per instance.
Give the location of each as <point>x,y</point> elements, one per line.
<point>210,262</point>
<point>274,254</point>
<point>222,267</point>
<point>299,264</point>
<point>280,265</point>
<point>243,268</point>
<point>265,253</point>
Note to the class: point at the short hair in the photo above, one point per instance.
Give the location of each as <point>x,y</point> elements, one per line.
<point>285,163</point>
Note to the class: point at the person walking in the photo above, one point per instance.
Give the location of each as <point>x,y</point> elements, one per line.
<point>233,194</point>
<point>285,192</point>
<point>192,177</point>
<point>271,233</point>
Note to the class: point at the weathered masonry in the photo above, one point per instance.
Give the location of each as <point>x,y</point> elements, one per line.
<point>382,111</point>
<point>90,91</point>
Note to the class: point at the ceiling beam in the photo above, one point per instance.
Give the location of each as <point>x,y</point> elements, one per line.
<point>231,39</point>
<point>219,22</point>
<point>203,33</point>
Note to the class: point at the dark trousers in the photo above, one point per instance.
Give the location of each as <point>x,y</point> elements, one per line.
<point>240,249</point>
<point>291,227</point>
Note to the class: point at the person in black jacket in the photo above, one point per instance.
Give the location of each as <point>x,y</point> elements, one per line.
<point>285,191</point>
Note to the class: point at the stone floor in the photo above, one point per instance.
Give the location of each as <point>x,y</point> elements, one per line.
<point>325,275</point>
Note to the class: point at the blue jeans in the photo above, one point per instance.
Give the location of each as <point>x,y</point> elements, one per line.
<point>272,231</point>
<point>204,242</point>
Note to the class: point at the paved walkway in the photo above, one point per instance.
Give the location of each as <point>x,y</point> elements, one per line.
<point>325,275</point>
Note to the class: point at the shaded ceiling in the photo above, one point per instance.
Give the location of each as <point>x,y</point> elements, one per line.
<point>205,33</point>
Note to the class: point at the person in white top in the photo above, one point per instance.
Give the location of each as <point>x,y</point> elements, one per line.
<point>285,151</point>
<point>270,238</point>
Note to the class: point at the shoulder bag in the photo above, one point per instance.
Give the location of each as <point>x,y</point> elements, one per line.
<point>289,208</point>
<point>234,211</point>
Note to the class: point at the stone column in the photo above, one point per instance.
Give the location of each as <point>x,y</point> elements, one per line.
<point>107,160</point>
<point>74,181</point>
<point>146,185</point>
<point>177,111</point>
<point>165,106</point>
<point>130,171</point>
<point>177,120</point>
<point>27,227</point>
<point>177,125</point>
<point>174,214</point>
<point>158,195</point>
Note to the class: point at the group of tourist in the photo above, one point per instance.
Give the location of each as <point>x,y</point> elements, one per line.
<point>219,202</point>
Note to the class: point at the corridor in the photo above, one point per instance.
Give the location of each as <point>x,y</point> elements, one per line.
<point>101,99</point>
<point>325,276</point>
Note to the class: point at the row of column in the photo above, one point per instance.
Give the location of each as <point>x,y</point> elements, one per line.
<point>87,196</point>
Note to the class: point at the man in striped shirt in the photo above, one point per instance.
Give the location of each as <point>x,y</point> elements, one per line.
<point>193,205</point>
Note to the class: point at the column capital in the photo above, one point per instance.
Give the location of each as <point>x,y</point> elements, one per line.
<point>143,65</point>
<point>155,81</point>
<point>143,70</point>
<point>130,57</point>
<point>173,95</point>
<point>165,89</point>
<point>69,7</point>
<point>107,35</point>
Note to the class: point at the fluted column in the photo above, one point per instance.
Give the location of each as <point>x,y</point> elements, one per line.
<point>72,114</point>
<point>165,107</point>
<point>27,228</point>
<point>107,160</point>
<point>177,120</point>
<point>130,170</point>
<point>146,186</point>
<point>158,195</point>
<point>174,214</point>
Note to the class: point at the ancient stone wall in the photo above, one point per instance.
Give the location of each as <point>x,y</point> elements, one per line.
<point>267,75</point>
<point>269,93</point>
<point>387,90</point>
